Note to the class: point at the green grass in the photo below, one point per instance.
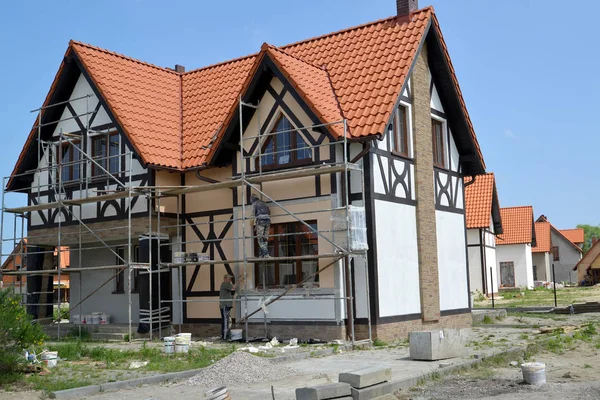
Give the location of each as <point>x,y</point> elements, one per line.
<point>379,343</point>
<point>541,297</point>
<point>522,315</point>
<point>99,364</point>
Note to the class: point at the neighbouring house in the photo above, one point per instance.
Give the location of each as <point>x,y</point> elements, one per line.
<point>558,252</point>
<point>588,268</point>
<point>541,253</point>
<point>483,224</point>
<point>17,261</point>
<point>575,235</point>
<point>410,142</point>
<point>513,247</point>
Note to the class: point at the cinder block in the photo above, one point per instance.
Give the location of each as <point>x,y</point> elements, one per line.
<point>364,377</point>
<point>372,392</point>
<point>438,344</point>
<point>323,392</point>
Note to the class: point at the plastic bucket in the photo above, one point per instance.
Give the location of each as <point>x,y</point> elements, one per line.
<point>49,358</point>
<point>182,348</point>
<point>236,334</point>
<point>178,257</point>
<point>534,373</point>
<point>86,319</point>
<point>104,319</point>
<point>183,338</point>
<point>95,319</point>
<point>169,347</point>
<point>220,393</point>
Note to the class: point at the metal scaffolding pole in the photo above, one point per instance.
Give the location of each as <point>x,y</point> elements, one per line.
<point>129,204</point>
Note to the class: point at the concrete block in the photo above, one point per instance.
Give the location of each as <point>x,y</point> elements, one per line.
<point>372,392</point>
<point>322,392</point>
<point>364,377</point>
<point>75,393</point>
<point>438,344</point>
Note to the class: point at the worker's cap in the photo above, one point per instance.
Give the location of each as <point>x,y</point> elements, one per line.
<point>253,197</point>
<point>227,276</point>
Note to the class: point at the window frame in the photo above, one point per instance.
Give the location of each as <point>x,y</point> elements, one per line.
<point>276,264</point>
<point>71,167</point>
<point>555,253</point>
<point>434,143</point>
<point>396,135</point>
<point>120,277</point>
<point>105,160</point>
<point>294,161</point>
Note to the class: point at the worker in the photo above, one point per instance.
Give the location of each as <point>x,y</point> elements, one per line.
<point>262,223</point>
<point>226,293</point>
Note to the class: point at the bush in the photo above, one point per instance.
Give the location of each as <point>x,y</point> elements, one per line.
<point>61,314</point>
<point>17,332</point>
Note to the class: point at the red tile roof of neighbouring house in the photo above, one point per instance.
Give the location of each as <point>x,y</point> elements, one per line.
<point>576,235</point>
<point>479,197</point>
<point>517,223</point>
<point>543,218</point>
<point>174,120</point>
<point>542,237</point>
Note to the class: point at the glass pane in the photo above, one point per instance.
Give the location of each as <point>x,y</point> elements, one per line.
<point>303,152</point>
<point>65,167</point>
<point>114,160</point>
<point>284,145</point>
<point>267,157</point>
<point>400,122</point>
<point>99,151</point>
<point>287,248</point>
<point>77,158</point>
<point>309,246</point>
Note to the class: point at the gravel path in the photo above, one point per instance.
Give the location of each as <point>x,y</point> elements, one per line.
<point>239,368</point>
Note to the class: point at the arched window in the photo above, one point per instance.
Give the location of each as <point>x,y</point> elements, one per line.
<point>285,146</point>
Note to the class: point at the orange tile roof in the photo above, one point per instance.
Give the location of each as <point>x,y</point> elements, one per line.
<point>543,218</point>
<point>478,199</point>
<point>576,235</point>
<point>173,119</point>
<point>542,237</point>
<point>517,223</point>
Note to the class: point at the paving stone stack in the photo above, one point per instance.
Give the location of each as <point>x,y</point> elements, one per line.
<point>368,383</point>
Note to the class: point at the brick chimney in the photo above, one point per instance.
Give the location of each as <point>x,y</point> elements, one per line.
<point>405,7</point>
<point>179,68</point>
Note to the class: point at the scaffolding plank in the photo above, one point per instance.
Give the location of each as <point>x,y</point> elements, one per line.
<point>63,270</point>
<point>266,177</point>
<point>76,202</point>
<point>252,260</point>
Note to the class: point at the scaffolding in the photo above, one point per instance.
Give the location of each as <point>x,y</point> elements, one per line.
<point>340,238</point>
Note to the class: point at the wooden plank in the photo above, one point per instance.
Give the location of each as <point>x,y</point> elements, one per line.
<point>56,204</point>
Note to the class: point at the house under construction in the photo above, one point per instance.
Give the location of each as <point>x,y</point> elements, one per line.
<point>357,140</point>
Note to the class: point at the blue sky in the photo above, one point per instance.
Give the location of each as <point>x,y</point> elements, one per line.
<point>526,69</point>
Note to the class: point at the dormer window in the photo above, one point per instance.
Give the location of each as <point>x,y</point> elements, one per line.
<point>285,146</point>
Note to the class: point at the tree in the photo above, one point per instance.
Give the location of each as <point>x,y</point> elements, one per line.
<point>591,231</point>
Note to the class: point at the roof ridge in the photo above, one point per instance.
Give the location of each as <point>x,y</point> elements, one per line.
<point>275,48</point>
<point>218,64</point>
<point>504,208</point>
<point>128,58</point>
<point>428,8</point>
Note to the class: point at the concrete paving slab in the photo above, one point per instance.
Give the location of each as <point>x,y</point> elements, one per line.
<point>364,377</point>
<point>323,392</point>
<point>372,392</point>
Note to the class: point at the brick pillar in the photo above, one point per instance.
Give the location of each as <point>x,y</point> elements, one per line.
<point>426,229</point>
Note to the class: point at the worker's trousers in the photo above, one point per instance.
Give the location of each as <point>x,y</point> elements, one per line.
<point>262,230</point>
<point>225,322</point>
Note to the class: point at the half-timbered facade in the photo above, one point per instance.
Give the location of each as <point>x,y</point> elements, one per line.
<point>387,89</point>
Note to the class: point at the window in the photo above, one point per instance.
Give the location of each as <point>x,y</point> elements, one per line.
<point>105,150</point>
<point>120,279</point>
<point>437,140</point>
<point>507,274</point>
<point>535,277</point>
<point>399,136</point>
<point>289,240</point>
<point>286,147</point>
<point>69,160</point>
<point>555,253</point>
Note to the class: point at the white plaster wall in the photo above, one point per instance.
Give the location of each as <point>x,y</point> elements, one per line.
<point>473,236</point>
<point>568,258</point>
<point>475,278</point>
<point>540,260</point>
<point>520,255</point>
<point>490,257</point>
<point>397,259</point>
<point>103,300</point>
<point>452,260</point>
<point>454,156</point>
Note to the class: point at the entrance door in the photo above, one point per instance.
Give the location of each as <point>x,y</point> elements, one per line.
<point>507,274</point>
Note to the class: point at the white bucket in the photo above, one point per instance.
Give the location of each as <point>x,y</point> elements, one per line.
<point>183,338</point>
<point>104,319</point>
<point>75,319</point>
<point>178,257</point>
<point>236,334</point>
<point>181,348</point>
<point>169,347</point>
<point>49,358</point>
<point>86,319</point>
<point>95,319</point>
<point>534,373</point>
